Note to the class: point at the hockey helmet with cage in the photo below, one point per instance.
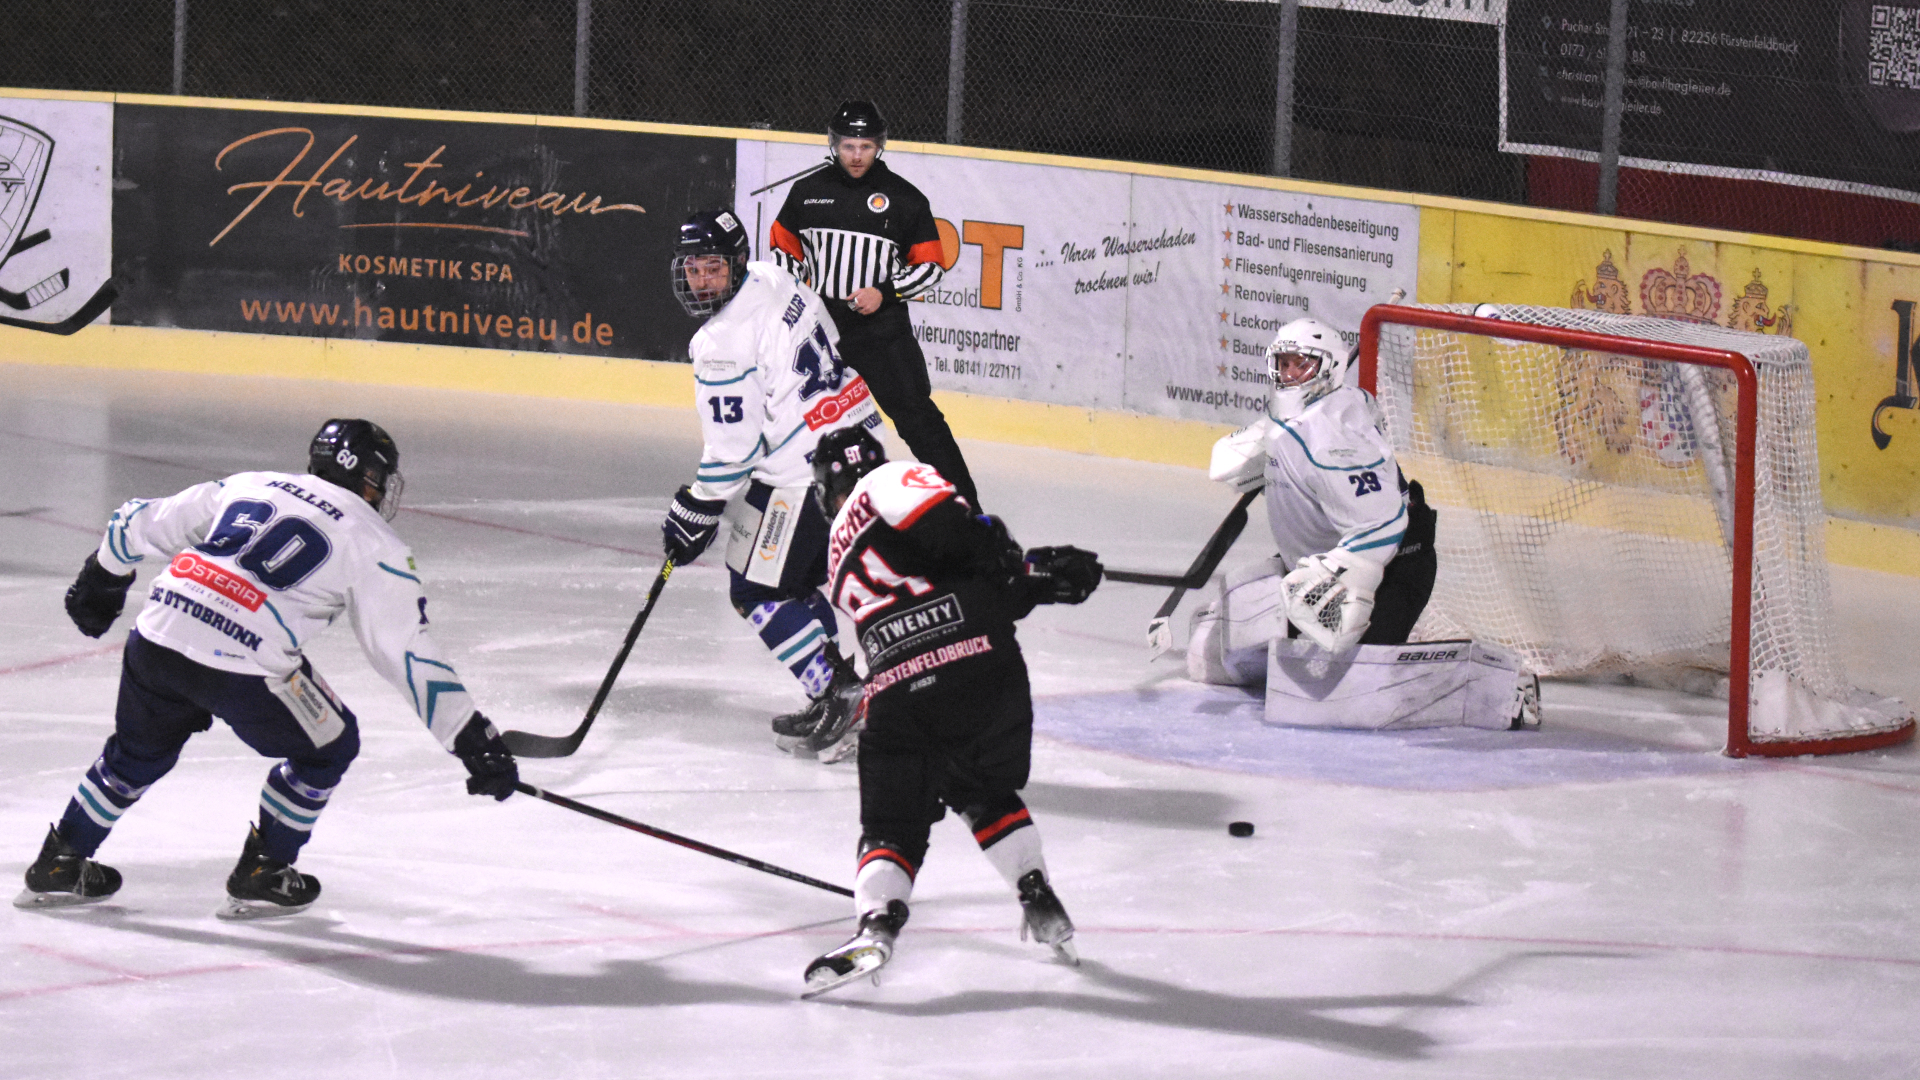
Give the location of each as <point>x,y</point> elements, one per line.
<point>1296,385</point>
<point>360,456</point>
<point>709,232</point>
<point>856,120</point>
<point>840,459</point>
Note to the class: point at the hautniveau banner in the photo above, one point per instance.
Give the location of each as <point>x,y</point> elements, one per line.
<point>409,229</point>
<point>1109,290</point>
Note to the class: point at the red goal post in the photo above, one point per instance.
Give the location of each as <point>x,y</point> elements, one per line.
<point>1524,426</point>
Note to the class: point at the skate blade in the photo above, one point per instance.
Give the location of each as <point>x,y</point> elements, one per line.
<point>238,910</point>
<point>866,963</point>
<point>847,749</point>
<point>1064,952</point>
<point>42,901</point>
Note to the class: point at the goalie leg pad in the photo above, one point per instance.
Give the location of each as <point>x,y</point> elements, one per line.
<point>1227,639</point>
<point>1397,687</point>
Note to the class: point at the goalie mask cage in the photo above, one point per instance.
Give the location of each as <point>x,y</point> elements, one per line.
<point>1623,494</point>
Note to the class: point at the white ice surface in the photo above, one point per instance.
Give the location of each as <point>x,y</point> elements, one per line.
<point>1609,897</point>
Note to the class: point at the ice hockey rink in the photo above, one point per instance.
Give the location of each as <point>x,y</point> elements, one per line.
<point>1607,897</point>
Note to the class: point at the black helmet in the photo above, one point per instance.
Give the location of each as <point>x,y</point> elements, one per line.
<point>358,454</point>
<point>710,232</point>
<point>856,120</point>
<point>842,457</point>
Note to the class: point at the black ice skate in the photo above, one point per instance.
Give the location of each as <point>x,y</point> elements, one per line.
<point>261,888</point>
<point>865,954</point>
<point>62,877</point>
<point>1045,918</point>
<point>827,728</point>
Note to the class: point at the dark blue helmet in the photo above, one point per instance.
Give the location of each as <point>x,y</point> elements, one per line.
<point>361,457</point>
<point>840,459</point>
<point>709,232</point>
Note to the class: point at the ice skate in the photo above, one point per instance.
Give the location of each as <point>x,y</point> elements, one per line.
<point>262,888</point>
<point>1045,918</point>
<point>62,877</point>
<point>843,715</point>
<point>865,954</point>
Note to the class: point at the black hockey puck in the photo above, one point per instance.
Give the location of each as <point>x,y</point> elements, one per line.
<point>1240,828</point>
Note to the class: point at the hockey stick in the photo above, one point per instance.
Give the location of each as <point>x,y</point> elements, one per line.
<point>53,286</point>
<point>1141,577</point>
<point>808,171</point>
<point>675,838</point>
<point>89,311</point>
<point>27,242</point>
<point>527,744</point>
<point>1160,628</point>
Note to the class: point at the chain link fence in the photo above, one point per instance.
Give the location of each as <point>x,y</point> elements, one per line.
<point>1792,117</point>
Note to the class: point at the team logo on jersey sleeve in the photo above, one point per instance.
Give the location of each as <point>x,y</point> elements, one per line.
<point>877,202</point>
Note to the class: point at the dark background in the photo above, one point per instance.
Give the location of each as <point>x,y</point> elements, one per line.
<point>1387,101</point>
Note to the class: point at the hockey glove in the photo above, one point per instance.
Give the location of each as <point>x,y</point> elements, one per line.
<point>487,758</point>
<point>96,597</point>
<point>690,525</point>
<point>1330,598</point>
<point>1005,561</point>
<point>1061,575</point>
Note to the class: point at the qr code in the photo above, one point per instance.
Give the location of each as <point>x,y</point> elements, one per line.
<point>1893,47</point>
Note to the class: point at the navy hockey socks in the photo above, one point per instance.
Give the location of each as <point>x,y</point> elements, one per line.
<point>100,801</point>
<point>289,807</point>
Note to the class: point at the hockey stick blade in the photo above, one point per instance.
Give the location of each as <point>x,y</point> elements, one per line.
<point>1160,627</point>
<point>38,294</point>
<point>674,838</point>
<point>527,744</point>
<point>89,311</point>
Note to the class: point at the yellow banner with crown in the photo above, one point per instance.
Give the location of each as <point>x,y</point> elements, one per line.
<point>1855,309</point>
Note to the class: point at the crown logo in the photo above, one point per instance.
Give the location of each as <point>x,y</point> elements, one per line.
<point>1609,293</point>
<point>1679,293</point>
<point>1750,310</point>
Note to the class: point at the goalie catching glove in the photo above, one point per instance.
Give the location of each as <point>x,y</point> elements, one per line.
<point>491,765</point>
<point>690,525</point>
<point>1330,598</point>
<point>97,597</point>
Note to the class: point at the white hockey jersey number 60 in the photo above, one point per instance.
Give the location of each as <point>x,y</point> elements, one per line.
<point>280,557</point>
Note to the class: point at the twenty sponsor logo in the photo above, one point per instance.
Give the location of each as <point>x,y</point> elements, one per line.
<point>190,567</point>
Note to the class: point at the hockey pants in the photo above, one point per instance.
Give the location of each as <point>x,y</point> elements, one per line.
<point>165,699</point>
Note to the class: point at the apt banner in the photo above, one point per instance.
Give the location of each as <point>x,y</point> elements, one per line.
<point>1110,290</point>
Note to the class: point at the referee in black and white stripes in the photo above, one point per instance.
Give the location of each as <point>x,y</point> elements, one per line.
<point>865,240</point>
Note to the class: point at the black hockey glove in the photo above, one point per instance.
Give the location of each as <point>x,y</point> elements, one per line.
<point>690,525</point>
<point>486,756</point>
<point>96,597</point>
<point>1062,575</point>
<point>1005,561</point>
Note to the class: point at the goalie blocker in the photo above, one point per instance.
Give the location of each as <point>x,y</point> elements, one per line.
<point>1242,639</point>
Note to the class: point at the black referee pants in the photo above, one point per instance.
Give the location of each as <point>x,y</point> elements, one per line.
<point>881,348</point>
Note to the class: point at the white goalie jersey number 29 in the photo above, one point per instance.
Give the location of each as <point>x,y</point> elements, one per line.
<point>261,562</point>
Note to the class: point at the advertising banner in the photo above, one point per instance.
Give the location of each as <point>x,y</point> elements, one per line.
<point>1824,93</point>
<point>56,169</point>
<point>1109,290</point>
<point>410,229</point>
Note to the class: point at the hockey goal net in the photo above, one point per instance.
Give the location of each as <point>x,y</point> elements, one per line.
<point>1631,495</point>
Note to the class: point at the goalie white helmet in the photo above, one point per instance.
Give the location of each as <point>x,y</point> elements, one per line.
<point>1307,361</point>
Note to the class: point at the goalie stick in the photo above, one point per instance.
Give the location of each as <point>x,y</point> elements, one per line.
<point>674,838</point>
<point>527,744</point>
<point>1160,628</point>
<point>89,311</point>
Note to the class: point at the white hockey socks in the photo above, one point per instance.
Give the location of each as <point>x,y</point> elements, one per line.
<point>882,877</point>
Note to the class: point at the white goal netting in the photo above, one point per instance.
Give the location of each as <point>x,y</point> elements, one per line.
<point>1589,503</point>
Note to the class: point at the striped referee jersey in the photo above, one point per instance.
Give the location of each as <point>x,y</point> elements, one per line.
<point>839,235</point>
